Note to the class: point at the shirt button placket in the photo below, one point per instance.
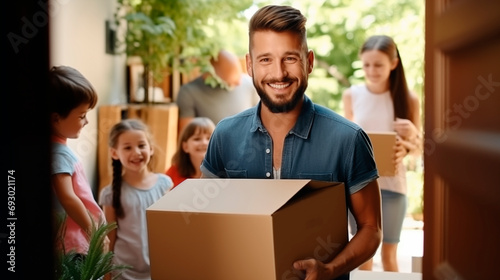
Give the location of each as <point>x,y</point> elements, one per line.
<point>268,174</point>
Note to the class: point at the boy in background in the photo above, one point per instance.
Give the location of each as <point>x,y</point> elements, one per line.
<point>71,97</point>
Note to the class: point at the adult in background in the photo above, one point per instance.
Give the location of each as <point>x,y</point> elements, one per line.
<point>199,99</point>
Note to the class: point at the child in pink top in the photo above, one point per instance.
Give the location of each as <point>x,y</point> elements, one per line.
<point>191,150</point>
<point>71,97</point>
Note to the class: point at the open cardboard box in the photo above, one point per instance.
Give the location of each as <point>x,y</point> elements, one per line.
<point>227,229</point>
<point>383,150</point>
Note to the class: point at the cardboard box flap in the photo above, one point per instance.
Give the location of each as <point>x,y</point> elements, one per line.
<point>247,196</point>
<point>321,184</point>
<point>312,187</point>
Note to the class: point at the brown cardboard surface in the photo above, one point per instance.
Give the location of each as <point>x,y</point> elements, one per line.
<point>244,228</point>
<point>383,149</point>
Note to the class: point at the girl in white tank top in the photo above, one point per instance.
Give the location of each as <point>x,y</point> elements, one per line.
<point>384,104</point>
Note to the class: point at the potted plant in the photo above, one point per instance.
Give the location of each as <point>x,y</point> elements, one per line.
<point>96,264</point>
<point>173,36</point>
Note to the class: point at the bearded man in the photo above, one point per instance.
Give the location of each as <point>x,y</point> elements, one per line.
<point>287,136</point>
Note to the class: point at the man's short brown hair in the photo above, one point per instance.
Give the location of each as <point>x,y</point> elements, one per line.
<point>278,19</point>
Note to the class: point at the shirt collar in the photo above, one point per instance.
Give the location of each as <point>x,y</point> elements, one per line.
<point>301,128</point>
<point>256,122</point>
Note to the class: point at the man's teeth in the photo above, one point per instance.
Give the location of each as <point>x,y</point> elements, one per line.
<point>279,86</point>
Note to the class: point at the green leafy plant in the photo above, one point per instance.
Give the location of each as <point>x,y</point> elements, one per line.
<point>174,35</point>
<point>97,263</point>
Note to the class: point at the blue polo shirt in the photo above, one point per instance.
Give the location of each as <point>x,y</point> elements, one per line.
<point>321,146</point>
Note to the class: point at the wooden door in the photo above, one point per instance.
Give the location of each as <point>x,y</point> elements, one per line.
<point>462,140</point>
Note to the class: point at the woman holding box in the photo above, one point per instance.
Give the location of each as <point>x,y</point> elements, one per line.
<point>384,103</point>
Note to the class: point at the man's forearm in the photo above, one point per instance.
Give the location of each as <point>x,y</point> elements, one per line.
<point>360,248</point>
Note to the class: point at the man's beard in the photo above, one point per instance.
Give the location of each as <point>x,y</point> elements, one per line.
<point>281,107</point>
